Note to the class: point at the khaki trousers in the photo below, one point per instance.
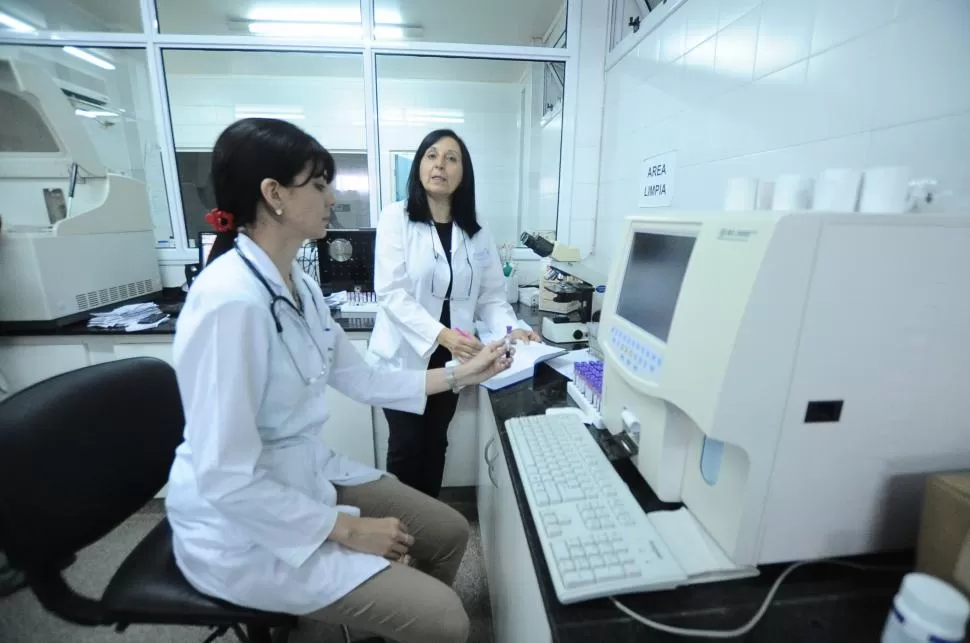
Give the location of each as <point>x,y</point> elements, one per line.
<point>401,603</point>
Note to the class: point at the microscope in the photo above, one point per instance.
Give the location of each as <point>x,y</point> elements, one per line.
<point>570,290</point>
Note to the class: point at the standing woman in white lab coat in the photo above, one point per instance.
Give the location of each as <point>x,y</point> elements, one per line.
<point>264,513</point>
<point>436,271</point>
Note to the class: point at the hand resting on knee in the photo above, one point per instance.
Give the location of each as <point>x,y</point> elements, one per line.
<point>387,537</point>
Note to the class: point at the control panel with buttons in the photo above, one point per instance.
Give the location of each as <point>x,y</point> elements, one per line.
<point>635,355</point>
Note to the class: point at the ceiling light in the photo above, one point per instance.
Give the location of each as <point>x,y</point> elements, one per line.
<point>282,112</point>
<point>306,29</point>
<point>88,57</point>
<point>93,113</point>
<point>306,14</point>
<point>17,25</point>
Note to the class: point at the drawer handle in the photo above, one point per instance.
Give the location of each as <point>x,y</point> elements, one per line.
<point>488,445</point>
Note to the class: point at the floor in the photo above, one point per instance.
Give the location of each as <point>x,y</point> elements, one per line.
<point>22,620</point>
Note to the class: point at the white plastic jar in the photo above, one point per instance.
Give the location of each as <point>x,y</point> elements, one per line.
<point>926,610</point>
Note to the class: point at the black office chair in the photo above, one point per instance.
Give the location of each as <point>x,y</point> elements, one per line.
<point>79,454</point>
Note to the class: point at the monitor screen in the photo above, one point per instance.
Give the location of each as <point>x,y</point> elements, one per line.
<point>206,239</point>
<point>654,273</point>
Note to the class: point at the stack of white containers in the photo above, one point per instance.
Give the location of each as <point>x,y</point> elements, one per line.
<point>880,190</point>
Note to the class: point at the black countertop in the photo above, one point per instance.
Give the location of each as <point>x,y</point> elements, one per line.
<point>170,301</point>
<point>815,604</point>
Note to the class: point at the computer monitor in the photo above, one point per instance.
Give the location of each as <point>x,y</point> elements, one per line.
<point>206,241</point>
<point>654,274</point>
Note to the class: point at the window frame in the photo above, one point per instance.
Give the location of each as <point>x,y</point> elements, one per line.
<point>154,43</point>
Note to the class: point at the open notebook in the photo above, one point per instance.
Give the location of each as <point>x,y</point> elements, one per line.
<point>524,362</point>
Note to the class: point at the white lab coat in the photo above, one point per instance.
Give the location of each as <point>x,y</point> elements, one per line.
<point>251,495</point>
<point>406,329</point>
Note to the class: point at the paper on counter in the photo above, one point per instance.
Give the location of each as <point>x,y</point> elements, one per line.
<point>487,336</point>
<point>127,317</point>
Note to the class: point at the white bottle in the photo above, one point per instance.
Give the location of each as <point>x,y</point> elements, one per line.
<point>926,610</point>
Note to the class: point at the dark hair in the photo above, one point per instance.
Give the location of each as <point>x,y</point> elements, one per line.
<point>254,149</point>
<point>463,198</point>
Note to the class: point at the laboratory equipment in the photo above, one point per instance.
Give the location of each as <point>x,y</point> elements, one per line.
<point>347,260</point>
<point>76,236</point>
<point>571,289</point>
<point>926,610</point>
<point>792,377</point>
<point>594,536</point>
<point>545,248</point>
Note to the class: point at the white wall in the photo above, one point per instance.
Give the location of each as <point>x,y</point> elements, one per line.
<point>589,125</point>
<point>202,105</point>
<point>752,88</point>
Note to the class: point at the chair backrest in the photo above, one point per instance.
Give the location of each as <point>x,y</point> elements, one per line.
<point>79,453</point>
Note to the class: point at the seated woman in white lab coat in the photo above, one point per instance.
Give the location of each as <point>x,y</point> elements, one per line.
<point>436,269</point>
<point>264,513</point>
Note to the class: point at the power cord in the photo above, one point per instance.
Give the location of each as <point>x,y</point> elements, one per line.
<point>750,625</point>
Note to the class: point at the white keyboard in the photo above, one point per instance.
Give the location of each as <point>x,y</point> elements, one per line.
<point>596,539</point>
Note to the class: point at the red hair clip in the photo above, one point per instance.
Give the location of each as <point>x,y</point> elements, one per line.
<point>220,220</point>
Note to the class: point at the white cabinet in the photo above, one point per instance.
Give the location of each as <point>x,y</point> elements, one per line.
<point>27,360</point>
<point>158,350</point>
<point>485,487</point>
<point>350,428</point>
<point>461,462</point>
<point>517,610</point>
<point>23,363</point>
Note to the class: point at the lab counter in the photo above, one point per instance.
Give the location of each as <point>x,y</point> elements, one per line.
<point>815,604</point>
<point>170,301</point>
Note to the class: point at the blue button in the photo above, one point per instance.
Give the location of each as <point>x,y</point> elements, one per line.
<point>651,369</point>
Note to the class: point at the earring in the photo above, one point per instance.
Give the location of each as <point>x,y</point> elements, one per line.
<point>279,212</point>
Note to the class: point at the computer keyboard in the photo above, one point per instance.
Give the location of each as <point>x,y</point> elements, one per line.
<point>596,539</point>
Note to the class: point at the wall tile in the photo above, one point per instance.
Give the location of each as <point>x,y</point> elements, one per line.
<point>785,36</point>
<point>838,21</point>
<point>672,34</point>
<point>699,76</point>
<point>929,55</point>
<point>701,17</point>
<point>731,10</point>
<point>735,50</point>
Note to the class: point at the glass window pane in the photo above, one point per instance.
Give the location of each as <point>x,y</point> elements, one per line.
<point>70,15</point>
<point>324,19</point>
<point>627,16</point>
<point>322,93</point>
<point>496,107</point>
<point>94,111</point>
<point>496,22</point>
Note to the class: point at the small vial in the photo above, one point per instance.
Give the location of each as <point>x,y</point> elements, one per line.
<point>508,342</point>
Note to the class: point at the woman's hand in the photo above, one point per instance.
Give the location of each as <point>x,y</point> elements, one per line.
<point>489,361</point>
<point>462,347</point>
<point>526,336</point>
<point>387,537</point>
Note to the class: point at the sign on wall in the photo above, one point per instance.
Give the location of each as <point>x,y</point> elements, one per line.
<point>657,180</point>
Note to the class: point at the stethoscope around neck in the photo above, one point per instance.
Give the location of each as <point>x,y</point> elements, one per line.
<point>275,301</point>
